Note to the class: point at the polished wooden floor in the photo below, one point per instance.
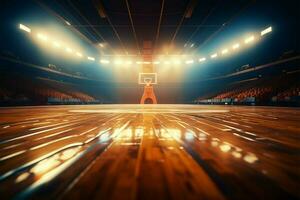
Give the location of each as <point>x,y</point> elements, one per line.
<point>149,152</point>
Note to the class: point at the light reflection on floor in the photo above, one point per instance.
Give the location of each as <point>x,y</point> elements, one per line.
<point>224,149</point>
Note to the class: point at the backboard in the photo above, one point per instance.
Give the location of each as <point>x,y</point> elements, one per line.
<point>147,78</point>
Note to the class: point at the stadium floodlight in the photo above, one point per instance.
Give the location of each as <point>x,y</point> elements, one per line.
<point>202,59</point>
<point>56,44</point>
<point>79,54</point>
<point>104,61</point>
<point>91,58</point>
<point>69,50</point>
<point>189,61</point>
<point>249,39</point>
<point>42,37</point>
<point>156,62</point>
<point>224,51</point>
<point>214,55</point>
<point>128,62</point>
<point>68,23</point>
<point>176,61</point>
<point>118,62</point>
<point>24,28</point>
<point>236,46</point>
<point>267,30</point>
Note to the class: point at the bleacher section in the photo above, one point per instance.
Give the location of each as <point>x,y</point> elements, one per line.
<point>277,90</point>
<point>41,91</point>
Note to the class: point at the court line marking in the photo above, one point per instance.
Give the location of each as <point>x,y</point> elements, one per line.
<point>146,111</point>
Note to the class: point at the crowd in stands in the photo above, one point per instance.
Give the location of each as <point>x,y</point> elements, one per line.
<point>282,89</point>
<point>287,94</point>
<point>40,91</point>
<point>66,91</point>
<point>239,95</point>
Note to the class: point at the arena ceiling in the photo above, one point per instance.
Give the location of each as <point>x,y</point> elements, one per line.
<point>174,26</point>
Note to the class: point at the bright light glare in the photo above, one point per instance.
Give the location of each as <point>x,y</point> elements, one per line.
<point>69,50</point>
<point>24,28</point>
<point>189,136</point>
<point>267,30</point>
<point>78,54</point>
<point>91,58</point>
<point>250,158</point>
<point>128,62</point>
<point>189,61</point>
<point>177,61</point>
<point>202,59</point>
<point>69,153</point>
<point>236,46</point>
<point>104,137</point>
<point>249,39</point>
<point>118,62</point>
<point>42,37</point>
<point>214,55</point>
<point>104,61</point>
<point>172,60</point>
<point>56,44</point>
<point>45,165</point>
<point>68,23</point>
<point>225,147</point>
<point>224,51</point>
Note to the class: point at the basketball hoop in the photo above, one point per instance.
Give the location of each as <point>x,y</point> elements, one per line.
<point>148,81</point>
<point>147,78</point>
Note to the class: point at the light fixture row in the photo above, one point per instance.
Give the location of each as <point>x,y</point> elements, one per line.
<point>176,61</point>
